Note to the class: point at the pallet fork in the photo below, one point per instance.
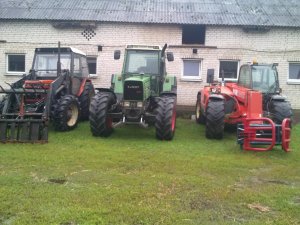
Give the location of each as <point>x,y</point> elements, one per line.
<point>262,134</point>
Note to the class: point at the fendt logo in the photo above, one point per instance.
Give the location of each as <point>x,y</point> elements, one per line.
<point>133,87</point>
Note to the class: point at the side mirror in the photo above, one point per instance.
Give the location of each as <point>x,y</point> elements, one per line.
<point>210,76</point>
<point>170,56</point>
<point>117,54</point>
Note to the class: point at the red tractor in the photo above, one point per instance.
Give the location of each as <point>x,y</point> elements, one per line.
<point>254,103</point>
<point>57,88</point>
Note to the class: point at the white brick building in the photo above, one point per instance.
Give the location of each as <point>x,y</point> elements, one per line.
<point>227,44</point>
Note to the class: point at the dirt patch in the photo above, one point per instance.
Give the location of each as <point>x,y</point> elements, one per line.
<point>57,180</point>
<point>254,181</point>
<point>259,207</point>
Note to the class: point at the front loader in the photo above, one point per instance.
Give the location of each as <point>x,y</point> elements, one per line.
<point>143,94</point>
<point>57,89</point>
<point>254,104</point>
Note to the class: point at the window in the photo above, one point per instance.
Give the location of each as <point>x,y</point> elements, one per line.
<point>92,64</point>
<point>146,62</point>
<point>46,64</point>
<point>294,71</point>
<point>230,69</point>
<point>84,66</point>
<point>77,67</point>
<point>193,34</point>
<point>15,63</point>
<point>191,69</point>
<point>244,79</point>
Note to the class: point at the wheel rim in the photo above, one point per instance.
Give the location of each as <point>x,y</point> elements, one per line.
<point>198,110</point>
<point>173,120</point>
<point>72,115</point>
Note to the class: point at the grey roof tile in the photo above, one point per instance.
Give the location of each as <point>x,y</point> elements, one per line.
<point>210,12</point>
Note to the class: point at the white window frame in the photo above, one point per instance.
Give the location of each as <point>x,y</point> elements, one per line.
<point>292,81</point>
<point>15,72</point>
<point>92,75</point>
<point>238,69</point>
<point>192,78</point>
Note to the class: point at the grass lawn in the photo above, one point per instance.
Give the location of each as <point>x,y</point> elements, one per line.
<point>132,178</point>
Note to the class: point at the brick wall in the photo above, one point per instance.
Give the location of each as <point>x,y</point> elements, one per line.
<point>279,45</point>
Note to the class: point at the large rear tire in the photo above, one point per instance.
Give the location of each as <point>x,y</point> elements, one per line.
<point>215,114</point>
<point>280,110</point>
<point>85,99</point>
<point>165,120</point>
<point>200,118</point>
<point>2,103</point>
<point>66,113</point>
<point>100,122</point>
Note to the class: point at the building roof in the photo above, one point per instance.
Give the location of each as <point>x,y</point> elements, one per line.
<point>278,13</point>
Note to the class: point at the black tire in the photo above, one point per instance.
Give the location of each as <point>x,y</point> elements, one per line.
<point>200,118</point>
<point>66,114</point>
<point>279,110</point>
<point>100,122</point>
<point>215,114</point>
<point>2,103</point>
<point>85,99</point>
<point>165,120</point>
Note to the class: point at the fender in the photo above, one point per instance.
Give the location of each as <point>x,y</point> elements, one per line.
<point>216,97</point>
<point>108,90</point>
<point>278,98</point>
<point>168,93</point>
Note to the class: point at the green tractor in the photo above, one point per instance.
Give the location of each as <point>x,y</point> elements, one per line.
<point>143,94</point>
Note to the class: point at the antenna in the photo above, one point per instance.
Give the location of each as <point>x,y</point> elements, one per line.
<point>58,61</point>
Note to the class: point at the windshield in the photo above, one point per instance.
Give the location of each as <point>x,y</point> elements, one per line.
<point>264,79</point>
<point>139,61</point>
<point>46,64</point>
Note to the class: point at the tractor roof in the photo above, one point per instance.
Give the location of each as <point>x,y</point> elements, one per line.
<point>265,64</point>
<point>144,47</point>
<point>62,50</point>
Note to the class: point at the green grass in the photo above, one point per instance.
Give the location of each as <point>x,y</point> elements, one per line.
<point>132,178</point>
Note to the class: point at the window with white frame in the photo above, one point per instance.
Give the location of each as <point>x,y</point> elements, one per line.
<point>294,71</point>
<point>92,64</point>
<point>191,69</point>
<point>15,63</point>
<point>229,68</point>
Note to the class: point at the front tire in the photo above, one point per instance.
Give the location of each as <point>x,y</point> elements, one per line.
<point>66,113</point>
<point>280,110</point>
<point>165,120</point>
<point>100,122</point>
<point>85,99</point>
<point>215,114</point>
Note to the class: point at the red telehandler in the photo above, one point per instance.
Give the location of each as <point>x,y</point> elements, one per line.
<point>254,104</point>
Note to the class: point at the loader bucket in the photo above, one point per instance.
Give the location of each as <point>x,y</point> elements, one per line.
<point>24,117</point>
<point>23,130</point>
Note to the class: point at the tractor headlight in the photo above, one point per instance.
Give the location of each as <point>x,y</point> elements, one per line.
<point>140,104</point>
<point>126,104</point>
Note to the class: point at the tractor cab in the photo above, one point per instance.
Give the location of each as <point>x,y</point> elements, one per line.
<point>260,77</point>
<point>45,62</point>
<point>144,67</point>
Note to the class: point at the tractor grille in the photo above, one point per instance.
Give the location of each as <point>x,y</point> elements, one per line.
<point>133,90</point>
